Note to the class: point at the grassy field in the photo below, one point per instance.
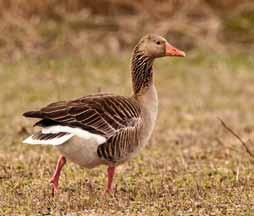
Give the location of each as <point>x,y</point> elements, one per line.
<point>192,165</point>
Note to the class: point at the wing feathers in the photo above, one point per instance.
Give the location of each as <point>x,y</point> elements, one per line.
<point>114,121</point>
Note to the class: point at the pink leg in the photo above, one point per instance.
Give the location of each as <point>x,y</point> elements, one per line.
<point>111,172</point>
<point>55,178</point>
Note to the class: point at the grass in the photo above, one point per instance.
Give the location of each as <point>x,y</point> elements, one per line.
<point>192,165</point>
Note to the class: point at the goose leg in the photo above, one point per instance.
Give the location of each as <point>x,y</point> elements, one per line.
<point>55,178</point>
<point>111,172</point>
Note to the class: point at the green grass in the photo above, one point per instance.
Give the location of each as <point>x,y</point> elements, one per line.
<point>192,165</point>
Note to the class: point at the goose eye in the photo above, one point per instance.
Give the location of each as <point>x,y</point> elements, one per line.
<point>158,42</point>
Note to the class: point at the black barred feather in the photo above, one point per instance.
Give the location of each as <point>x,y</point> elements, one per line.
<point>42,136</point>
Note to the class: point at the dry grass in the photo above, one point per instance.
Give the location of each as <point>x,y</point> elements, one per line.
<point>50,28</point>
<point>192,166</point>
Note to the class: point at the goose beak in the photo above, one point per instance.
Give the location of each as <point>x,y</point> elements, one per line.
<point>172,51</point>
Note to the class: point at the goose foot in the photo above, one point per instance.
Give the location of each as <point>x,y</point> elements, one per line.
<point>55,178</point>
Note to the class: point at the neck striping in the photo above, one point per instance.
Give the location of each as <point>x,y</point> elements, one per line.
<point>142,73</point>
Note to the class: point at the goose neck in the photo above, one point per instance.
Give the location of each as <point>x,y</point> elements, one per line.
<point>142,72</point>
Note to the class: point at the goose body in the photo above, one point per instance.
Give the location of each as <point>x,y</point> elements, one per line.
<point>84,151</point>
<point>105,128</point>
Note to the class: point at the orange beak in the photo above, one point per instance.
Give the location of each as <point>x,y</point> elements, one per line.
<point>172,51</point>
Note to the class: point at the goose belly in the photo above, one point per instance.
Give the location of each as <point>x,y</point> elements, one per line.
<point>81,151</point>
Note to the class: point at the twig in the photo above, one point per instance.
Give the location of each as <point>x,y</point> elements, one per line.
<point>237,136</point>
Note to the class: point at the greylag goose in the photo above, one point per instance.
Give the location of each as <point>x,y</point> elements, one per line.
<point>105,128</point>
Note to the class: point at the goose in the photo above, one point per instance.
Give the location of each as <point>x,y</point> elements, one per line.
<point>105,129</point>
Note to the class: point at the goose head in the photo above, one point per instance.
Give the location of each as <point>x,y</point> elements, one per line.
<point>155,46</point>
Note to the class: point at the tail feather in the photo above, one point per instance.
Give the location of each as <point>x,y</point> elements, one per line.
<point>33,114</point>
<point>46,123</point>
<point>48,139</point>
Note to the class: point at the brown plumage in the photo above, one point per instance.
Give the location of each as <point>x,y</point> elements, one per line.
<point>114,117</point>
<point>105,128</point>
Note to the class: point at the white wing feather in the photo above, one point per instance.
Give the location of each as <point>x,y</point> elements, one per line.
<point>54,141</point>
<point>60,140</point>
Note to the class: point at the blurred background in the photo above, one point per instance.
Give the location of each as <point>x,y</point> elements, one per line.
<point>39,28</point>
<point>54,50</point>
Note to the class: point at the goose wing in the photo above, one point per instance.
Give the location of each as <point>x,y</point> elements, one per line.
<point>102,114</point>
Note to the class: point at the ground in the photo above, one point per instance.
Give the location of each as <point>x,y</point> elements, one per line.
<point>192,165</point>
